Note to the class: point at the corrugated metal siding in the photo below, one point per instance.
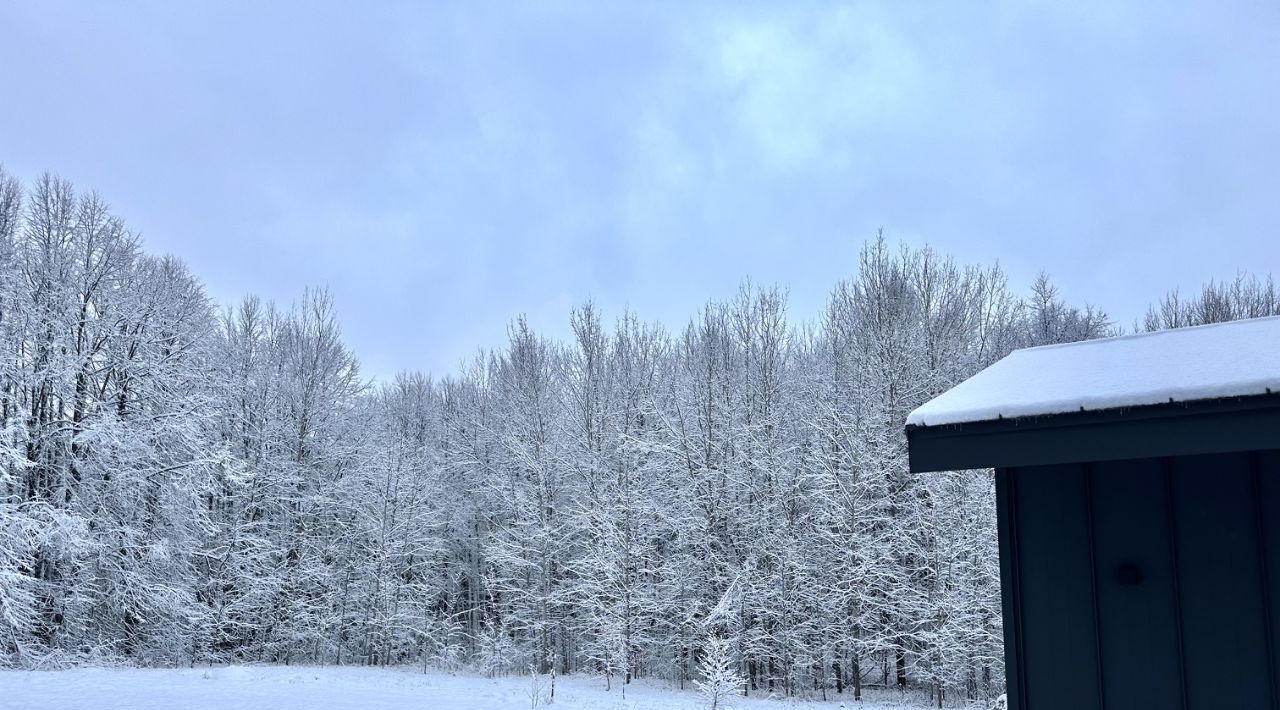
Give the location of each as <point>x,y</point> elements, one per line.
<point>1142,583</point>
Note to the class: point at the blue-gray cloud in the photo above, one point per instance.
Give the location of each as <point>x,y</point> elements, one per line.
<point>444,167</point>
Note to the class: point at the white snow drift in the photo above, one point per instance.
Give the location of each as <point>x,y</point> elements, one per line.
<point>349,688</point>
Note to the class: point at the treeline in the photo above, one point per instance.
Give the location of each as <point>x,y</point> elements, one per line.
<point>185,484</point>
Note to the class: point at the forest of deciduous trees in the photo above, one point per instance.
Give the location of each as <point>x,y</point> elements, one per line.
<point>187,483</point>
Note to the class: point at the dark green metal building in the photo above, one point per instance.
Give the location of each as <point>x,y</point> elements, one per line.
<point>1138,498</point>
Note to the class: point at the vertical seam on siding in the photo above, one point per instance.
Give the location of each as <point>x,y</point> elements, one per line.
<point>1170,519</point>
<point>1259,530</point>
<point>1093,584</point>
<point>1015,575</point>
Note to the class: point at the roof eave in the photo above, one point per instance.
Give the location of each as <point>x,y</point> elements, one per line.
<point>1169,429</point>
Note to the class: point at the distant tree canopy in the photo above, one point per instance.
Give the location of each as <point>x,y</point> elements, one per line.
<point>186,484</point>
<point>1218,301</point>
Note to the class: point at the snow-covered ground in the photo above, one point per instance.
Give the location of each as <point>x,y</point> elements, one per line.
<point>307,688</point>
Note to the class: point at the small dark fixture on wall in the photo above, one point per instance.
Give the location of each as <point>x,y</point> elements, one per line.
<point>1129,574</point>
<point>1138,499</point>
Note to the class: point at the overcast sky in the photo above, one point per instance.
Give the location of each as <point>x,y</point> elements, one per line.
<point>445,167</point>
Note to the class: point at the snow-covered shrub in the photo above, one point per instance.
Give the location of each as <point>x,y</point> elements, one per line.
<point>720,679</point>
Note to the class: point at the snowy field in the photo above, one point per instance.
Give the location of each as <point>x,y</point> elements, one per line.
<point>316,688</point>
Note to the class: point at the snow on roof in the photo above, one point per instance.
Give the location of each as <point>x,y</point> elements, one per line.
<point>1232,359</point>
